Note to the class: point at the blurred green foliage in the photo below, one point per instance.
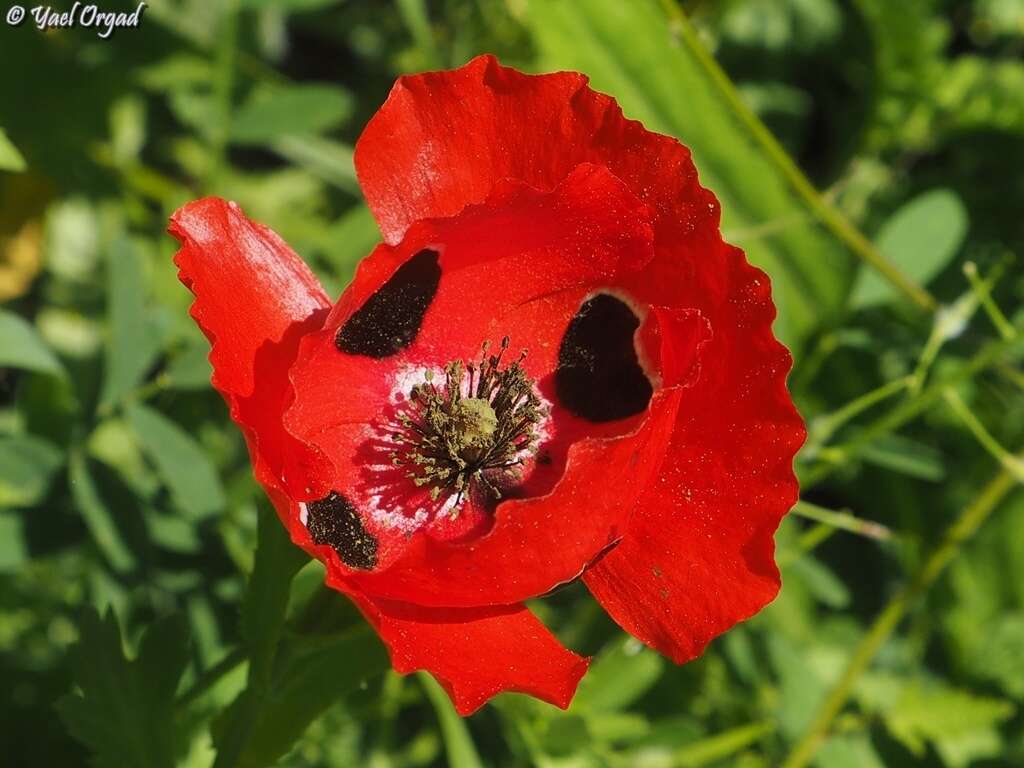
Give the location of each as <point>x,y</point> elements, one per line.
<point>128,514</point>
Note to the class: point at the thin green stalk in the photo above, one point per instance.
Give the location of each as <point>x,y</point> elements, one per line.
<point>983,291</point>
<point>829,216</point>
<point>807,366</point>
<point>1010,373</point>
<point>843,520</point>
<point>992,353</point>
<point>721,745</point>
<point>949,322</point>
<point>1008,461</point>
<point>973,516</point>
<point>822,428</point>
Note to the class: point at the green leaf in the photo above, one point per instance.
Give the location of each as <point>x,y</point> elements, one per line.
<point>10,158</point>
<point>1000,654</point>
<point>173,532</point>
<point>665,79</point>
<point>181,462</point>
<point>294,110</point>
<point>979,93</point>
<point>264,610</point>
<point>824,585</point>
<point>458,742</point>
<point>355,234</point>
<point>318,674</point>
<point>125,710</point>
<point>27,466</point>
<point>133,341</point>
<point>21,347</point>
<point>908,40</point>
<point>800,685</point>
<point>97,517</point>
<point>921,238</point>
<point>328,160</point>
<point>622,674</point>
<point>722,745</point>
<point>961,725</point>
<point>13,550</point>
<point>266,600</point>
<point>848,751</point>
<point>191,368</point>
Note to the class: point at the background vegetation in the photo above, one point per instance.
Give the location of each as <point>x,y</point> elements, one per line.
<point>125,492</point>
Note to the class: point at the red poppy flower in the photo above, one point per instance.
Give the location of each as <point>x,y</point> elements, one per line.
<point>552,368</point>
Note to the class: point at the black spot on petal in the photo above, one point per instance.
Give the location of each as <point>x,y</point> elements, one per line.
<point>598,376</point>
<point>333,520</point>
<point>390,319</point>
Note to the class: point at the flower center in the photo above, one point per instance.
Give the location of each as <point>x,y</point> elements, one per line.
<point>474,431</point>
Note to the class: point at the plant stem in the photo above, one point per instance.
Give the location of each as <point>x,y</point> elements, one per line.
<point>991,354</point>
<point>843,520</point>
<point>721,745</point>
<point>822,428</point>
<point>983,290</point>
<point>948,323</point>
<point>1010,373</point>
<point>1008,461</point>
<point>827,214</point>
<point>960,531</point>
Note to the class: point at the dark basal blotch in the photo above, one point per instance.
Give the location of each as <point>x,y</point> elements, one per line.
<point>333,520</point>
<point>390,319</point>
<point>598,376</point>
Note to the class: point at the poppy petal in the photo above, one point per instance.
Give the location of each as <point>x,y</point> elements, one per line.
<point>476,653</point>
<point>698,555</point>
<point>442,140</point>
<point>255,299</point>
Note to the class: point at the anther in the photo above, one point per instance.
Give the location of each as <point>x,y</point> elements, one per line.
<point>471,431</point>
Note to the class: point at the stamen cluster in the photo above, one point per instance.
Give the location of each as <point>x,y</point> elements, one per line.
<point>477,427</point>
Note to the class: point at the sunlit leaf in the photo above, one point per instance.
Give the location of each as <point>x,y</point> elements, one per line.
<point>619,676</point>
<point>920,238</point>
<point>961,725</point>
<point>97,517</point>
<point>10,158</point>
<point>294,110</point>
<point>13,549</point>
<point>27,466</point>
<point>21,346</point>
<point>190,369</point>
<point>181,462</point>
<point>133,340</point>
